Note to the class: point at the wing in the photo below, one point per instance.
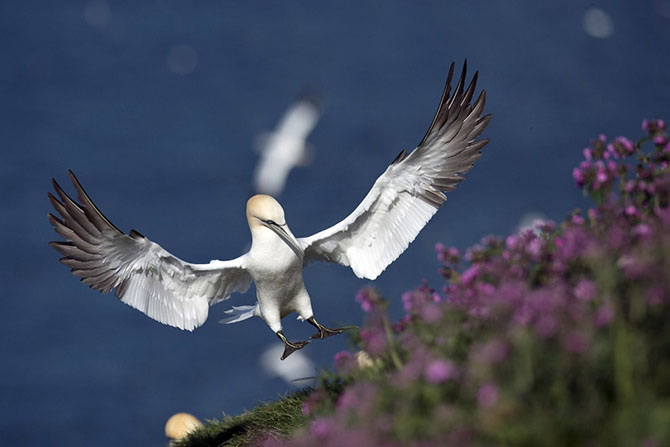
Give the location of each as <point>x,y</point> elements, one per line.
<point>299,119</point>
<point>145,276</point>
<point>410,191</point>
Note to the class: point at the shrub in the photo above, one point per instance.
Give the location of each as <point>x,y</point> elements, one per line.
<point>557,335</point>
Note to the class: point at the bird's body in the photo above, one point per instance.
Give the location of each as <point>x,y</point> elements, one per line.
<point>178,293</point>
<point>275,267</point>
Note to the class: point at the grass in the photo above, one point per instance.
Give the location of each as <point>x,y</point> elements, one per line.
<point>277,418</point>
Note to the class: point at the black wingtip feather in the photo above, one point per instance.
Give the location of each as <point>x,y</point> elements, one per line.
<point>401,156</point>
<point>84,197</point>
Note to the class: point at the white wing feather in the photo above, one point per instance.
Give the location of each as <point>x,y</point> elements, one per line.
<point>409,192</point>
<point>145,276</point>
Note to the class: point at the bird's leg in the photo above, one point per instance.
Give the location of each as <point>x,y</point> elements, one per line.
<point>323,331</point>
<point>290,347</point>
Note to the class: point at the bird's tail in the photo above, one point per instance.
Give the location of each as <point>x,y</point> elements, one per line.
<point>239,313</point>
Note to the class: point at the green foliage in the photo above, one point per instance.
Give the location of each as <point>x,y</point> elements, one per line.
<point>278,418</point>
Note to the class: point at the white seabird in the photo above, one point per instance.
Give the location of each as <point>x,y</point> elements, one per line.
<point>286,147</point>
<point>178,293</point>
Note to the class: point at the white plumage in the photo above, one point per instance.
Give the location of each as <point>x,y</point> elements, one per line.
<point>178,293</point>
<point>286,147</point>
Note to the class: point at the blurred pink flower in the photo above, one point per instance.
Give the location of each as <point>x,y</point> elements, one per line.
<point>487,395</point>
<point>492,352</point>
<point>470,274</point>
<point>374,340</point>
<point>368,298</point>
<point>438,371</point>
<point>585,289</point>
<point>576,342</point>
<point>546,326</point>
<point>321,427</point>
<point>343,361</point>
<point>431,313</point>
<point>604,315</point>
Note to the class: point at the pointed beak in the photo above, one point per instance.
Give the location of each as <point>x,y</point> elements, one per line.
<point>286,237</point>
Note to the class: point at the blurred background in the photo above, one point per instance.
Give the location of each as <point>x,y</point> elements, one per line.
<point>156,105</point>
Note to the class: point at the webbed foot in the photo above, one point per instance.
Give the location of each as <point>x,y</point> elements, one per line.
<point>290,347</point>
<point>324,332</point>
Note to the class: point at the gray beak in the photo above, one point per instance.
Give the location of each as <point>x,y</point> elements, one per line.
<point>286,237</point>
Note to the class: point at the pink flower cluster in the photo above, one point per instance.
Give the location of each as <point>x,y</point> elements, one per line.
<point>552,336</point>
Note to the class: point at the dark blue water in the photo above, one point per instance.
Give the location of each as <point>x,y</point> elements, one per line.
<point>170,155</point>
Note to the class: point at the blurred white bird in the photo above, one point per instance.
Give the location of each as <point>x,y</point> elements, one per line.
<point>178,293</point>
<point>286,147</point>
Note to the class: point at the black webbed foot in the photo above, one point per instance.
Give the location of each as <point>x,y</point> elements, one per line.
<point>290,347</point>
<point>324,332</point>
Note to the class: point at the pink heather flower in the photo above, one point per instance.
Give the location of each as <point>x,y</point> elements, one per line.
<point>511,241</point>
<point>534,247</point>
<point>642,230</point>
<point>431,313</point>
<point>406,298</point>
<point>632,266</point>
<point>321,428</point>
<point>348,399</point>
<point>522,315</point>
<point>470,274</point>
<point>602,137</point>
<point>305,408</point>
<point>660,139</point>
<point>663,214</point>
<point>495,351</point>
<point>616,236</point>
<point>604,315</point>
<point>366,297</point>
<point>587,153</point>
<point>576,342</point>
<point>577,219</point>
<point>546,326</point>
<point>487,395</point>
<point>343,361</point>
<point>655,296</point>
<point>585,290</point>
<point>402,324</point>
<point>626,143</point>
<point>631,211</point>
<point>601,175</point>
<point>374,339</point>
<point>439,371</point>
<point>485,288</point>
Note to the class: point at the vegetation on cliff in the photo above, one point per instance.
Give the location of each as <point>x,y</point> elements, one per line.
<point>557,335</point>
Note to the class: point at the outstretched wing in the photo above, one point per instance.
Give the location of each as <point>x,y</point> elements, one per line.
<point>145,276</point>
<point>409,192</point>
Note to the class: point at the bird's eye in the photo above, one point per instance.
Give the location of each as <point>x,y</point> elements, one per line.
<point>270,222</point>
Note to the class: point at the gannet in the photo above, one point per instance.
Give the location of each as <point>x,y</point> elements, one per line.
<point>286,147</point>
<point>179,293</point>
